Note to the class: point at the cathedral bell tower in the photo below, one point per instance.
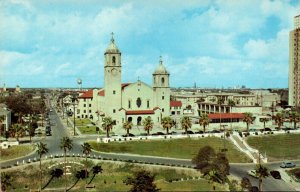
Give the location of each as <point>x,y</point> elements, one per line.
<point>112,79</point>
<point>161,88</point>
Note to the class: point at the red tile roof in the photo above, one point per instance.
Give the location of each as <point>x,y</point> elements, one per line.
<point>125,85</point>
<point>101,92</point>
<point>140,112</point>
<point>226,116</point>
<point>175,103</point>
<point>87,94</point>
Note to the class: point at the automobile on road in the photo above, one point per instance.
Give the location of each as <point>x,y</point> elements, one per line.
<point>275,174</point>
<point>252,173</point>
<point>287,164</point>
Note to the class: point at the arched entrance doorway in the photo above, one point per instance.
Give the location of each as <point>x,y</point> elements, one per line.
<point>129,119</point>
<point>139,120</point>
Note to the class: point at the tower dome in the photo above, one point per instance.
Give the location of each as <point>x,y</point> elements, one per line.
<point>112,47</point>
<point>160,68</point>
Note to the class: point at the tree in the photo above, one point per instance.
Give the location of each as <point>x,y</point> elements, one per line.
<point>127,125</point>
<point>167,123</point>
<point>2,129</point>
<point>142,181</point>
<point>82,174</point>
<point>148,124</point>
<point>96,169</point>
<point>294,117</point>
<point>264,120</point>
<point>248,119</point>
<point>279,119</point>
<point>204,157</point>
<point>222,164</point>
<point>55,173</point>
<point>17,131</point>
<point>41,150</point>
<point>107,125</point>
<point>186,123</point>
<point>86,150</point>
<point>231,103</point>
<point>220,101</point>
<point>261,173</point>
<point>204,121</point>
<point>245,183</point>
<point>31,131</point>
<point>66,145</point>
<point>6,181</point>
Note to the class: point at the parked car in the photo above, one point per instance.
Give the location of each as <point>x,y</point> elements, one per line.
<point>190,132</point>
<point>214,131</point>
<point>287,164</point>
<point>199,132</point>
<point>267,129</point>
<point>129,135</point>
<point>252,173</point>
<point>275,174</point>
<point>158,133</point>
<point>48,131</point>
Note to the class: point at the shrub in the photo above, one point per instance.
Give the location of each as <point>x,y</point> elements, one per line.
<point>272,132</point>
<point>256,133</point>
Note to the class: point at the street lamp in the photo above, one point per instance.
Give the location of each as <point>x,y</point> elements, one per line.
<point>74,104</point>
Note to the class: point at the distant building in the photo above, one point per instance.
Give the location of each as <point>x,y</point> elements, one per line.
<point>5,114</point>
<point>294,64</point>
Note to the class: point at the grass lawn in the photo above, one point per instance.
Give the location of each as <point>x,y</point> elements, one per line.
<point>277,147</point>
<point>15,152</point>
<point>80,122</point>
<point>111,179</point>
<point>177,148</point>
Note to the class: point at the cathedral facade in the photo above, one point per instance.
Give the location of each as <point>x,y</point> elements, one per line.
<point>127,101</point>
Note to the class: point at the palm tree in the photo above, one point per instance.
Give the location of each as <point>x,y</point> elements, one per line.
<point>248,119</point>
<point>279,119</point>
<point>65,144</point>
<point>231,103</point>
<point>220,101</point>
<point>107,125</point>
<point>41,150</point>
<point>18,131</point>
<point>186,123</point>
<point>55,173</point>
<point>127,125</point>
<point>261,173</point>
<point>86,149</point>
<point>167,123</point>
<point>148,124</point>
<point>96,169</point>
<point>264,120</point>
<point>294,117</point>
<point>204,121</point>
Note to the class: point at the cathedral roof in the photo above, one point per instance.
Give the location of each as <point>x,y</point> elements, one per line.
<point>161,68</point>
<point>112,47</point>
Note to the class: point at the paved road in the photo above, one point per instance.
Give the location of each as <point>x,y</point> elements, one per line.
<point>59,131</point>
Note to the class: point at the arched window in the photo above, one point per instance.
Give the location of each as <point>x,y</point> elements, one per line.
<point>138,102</point>
<point>162,80</point>
<point>114,60</point>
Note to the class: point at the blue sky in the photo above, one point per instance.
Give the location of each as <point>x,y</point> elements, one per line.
<point>213,43</point>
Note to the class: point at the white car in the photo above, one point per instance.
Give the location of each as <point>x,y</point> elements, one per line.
<point>252,173</point>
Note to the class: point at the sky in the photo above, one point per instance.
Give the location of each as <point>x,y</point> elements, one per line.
<point>214,44</point>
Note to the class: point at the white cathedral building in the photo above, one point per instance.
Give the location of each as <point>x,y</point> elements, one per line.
<point>128,101</point>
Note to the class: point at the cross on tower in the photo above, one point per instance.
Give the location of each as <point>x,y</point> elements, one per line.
<point>112,37</point>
